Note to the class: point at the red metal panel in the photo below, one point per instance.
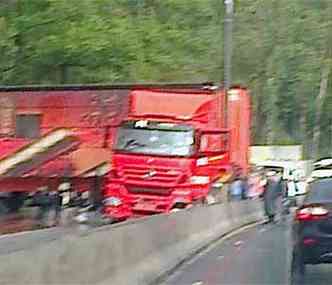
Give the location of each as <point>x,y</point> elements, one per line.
<point>193,106</point>
<point>85,110</point>
<point>239,123</point>
<point>8,146</point>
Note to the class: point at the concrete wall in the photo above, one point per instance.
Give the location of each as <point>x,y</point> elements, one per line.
<point>260,154</point>
<point>134,253</point>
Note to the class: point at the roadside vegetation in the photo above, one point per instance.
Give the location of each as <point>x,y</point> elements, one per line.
<point>282,51</point>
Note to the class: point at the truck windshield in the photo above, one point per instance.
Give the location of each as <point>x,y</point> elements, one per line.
<point>155,138</point>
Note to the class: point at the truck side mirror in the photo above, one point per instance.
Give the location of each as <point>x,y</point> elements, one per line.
<point>213,142</point>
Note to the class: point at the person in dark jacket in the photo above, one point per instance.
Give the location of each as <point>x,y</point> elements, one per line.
<point>56,203</point>
<point>245,188</point>
<point>272,194</point>
<point>42,199</point>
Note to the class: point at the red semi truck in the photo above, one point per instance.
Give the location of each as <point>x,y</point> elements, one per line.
<point>162,146</point>
<point>173,149</point>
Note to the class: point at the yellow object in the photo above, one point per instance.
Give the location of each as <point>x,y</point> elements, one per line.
<point>225,177</point>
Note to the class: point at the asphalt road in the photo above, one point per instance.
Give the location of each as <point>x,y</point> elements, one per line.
<point>259,255</point>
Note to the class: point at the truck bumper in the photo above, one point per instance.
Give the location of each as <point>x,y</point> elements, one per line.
<point>135,204</point>
<point>138,206</point>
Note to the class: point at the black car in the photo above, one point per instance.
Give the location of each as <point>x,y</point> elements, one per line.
<point>312,229</point>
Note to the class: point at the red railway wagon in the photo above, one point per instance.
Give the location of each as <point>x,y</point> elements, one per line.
<point>51,133</point>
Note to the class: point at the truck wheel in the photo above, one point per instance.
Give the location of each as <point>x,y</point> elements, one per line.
<point>179,207</point>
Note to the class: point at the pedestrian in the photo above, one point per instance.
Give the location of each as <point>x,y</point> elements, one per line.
<point>254,187</point>
<point>272,194</point>
<point>43,201</point>
<point>56,204</point>
<point>245,188</point>
<point>236,189</point>
<point>291,189</point>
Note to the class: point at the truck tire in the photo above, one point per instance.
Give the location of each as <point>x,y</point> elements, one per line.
<point>179,207</point>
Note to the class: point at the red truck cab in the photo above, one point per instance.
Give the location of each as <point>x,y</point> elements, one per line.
<point>173,148</point>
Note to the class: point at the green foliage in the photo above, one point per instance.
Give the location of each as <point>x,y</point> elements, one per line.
<point>279,47</point>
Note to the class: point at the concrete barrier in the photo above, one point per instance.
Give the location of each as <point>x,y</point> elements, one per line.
<point>135,253</point>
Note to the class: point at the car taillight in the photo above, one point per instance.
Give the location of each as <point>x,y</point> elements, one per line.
<point>311,213</point>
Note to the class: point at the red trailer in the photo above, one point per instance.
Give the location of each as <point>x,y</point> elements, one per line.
<point>239,122</point>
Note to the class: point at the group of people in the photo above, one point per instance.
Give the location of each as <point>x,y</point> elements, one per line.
<point>49,203</point>
<point>273,193</point>
<point>238,189</point>
<point>246,187</point>
<point>268,186</point>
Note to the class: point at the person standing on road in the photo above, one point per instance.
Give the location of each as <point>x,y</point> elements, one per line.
<point>272,194</point>
<point>43,201</point>
<point>56,204</point>
<point>245,187</point>
<point>255,187</point>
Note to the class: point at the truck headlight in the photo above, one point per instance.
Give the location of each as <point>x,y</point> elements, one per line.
<point>112,201</point>
<point>199,179</point>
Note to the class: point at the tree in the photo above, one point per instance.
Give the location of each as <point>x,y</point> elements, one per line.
<point>281,52</point>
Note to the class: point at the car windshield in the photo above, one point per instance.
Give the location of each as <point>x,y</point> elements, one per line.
<point>155,139</point>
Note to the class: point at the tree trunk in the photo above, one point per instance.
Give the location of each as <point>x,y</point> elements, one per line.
<point>18,39</point>
<point>303,134</point>
<point>272,85</point>
<point>259,115</point>
<point>269,132</point>
<point>271,119</point>
<point>326,69</point>
<point>259,120</point>
<point>325,72</point>
<point>303,126</point>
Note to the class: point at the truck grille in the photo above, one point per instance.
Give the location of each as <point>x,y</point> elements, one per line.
<point>151,191</point>
<point>164,176</point>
